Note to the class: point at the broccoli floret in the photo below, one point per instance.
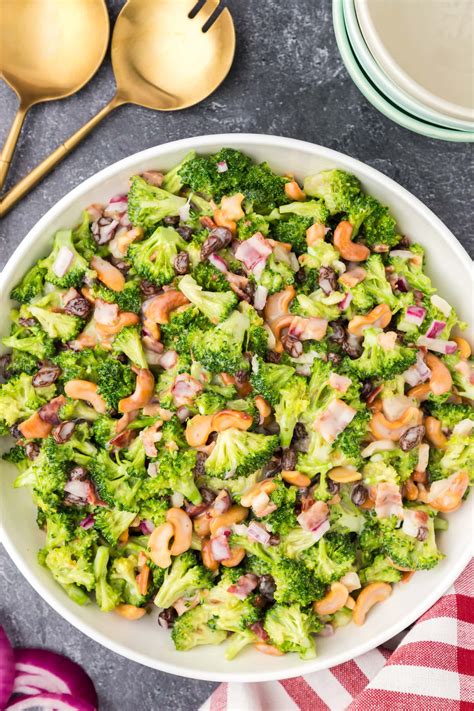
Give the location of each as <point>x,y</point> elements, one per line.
<point>176,473</point>
<point>337,188</point>
<point>19,399</point>
<point>123,578</point>
<point>148,204</point>
<point>31,286</point>
<point>316,460</point>
<point>153,508</point>
<point>210,278</point>
<point>283,519</point>
<point>16,455</point>
<point>251,224</point>
<point>332,557</point>
<point>153,258</point>
<point>320,393</point>
<point>107,597</point>
<point>56,324</point>
<point>293,401</point>
<point>129,299</point>
<point>409,552</point>
<point>77,410</point>
<point>269,378</point>
<point>379,226</point>
<point>63,247</point>
<point>183,325</point>
<point>83,239</point>
<point>296,541</point>
<point>321,254</point>
<point>291,629</point>
<point>239,452</point>
<point>412,270</point>
<point>459,454</point>
<point>375,288</point>
<point>103,429</point>
<point>380,570</point>
<point>29,342</point>
<point>112,523</point>
<point>72,563</point>
<point>183,579</point>
<point>215,306</point>
<point>315,210</point>
<point>128,341</point>
<point>375,473</point>
<point>59,529</point>
<point>276,275</point>
<point>47,476</point>
<point>114,381</point>
<point>172,181</point>
<point>317,305</point>
<point>21,362</point>
<point>208,402</point>
<point>116,480</point>
<point>404,464</point>
<point>79,365</point>
<point>461,378</point>
<point>346,517</point>
<point>228,611</point>
<point>220,349</point>
<point>192,629</point>
<point>380,362</point>
<point>256,338</point>
<point>293,231</point>
<point>348,443</point>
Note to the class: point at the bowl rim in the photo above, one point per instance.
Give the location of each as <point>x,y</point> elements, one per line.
<point>377,99</point>
<point>385,83</point>
<point>54,599</point>
<point>391,67</point>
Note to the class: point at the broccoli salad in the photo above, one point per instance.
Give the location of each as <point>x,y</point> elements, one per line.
<point>239,399</point>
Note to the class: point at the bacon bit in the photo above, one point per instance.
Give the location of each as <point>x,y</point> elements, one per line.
<point>294,192</point>
<point>149,437</point>
<point>105,313</point>
<point>262,506</point>
<point>143,579</point>
<point>413,520</point>
<point>306,329</point>
<point>388,500</point>
<point>244,586</point>
<point>353,277</point>
<point>220,547</point>
<point>340,382</point>
<point>253,250</point>
<point>185,388</point>
<point>334,420</point>
<point>316,233</point>
<point>314,517</point>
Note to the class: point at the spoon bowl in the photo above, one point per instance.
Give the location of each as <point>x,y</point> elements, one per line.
<point>50,50</point>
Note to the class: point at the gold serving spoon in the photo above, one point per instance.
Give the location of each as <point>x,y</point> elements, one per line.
<point>166,55</point>
<point>49,50</point>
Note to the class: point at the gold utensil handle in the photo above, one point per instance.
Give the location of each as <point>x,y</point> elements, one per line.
<point>9,145</point>
<point>29,181</point>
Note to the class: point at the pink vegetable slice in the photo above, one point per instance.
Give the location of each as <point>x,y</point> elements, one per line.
<point>7,668</point>
<point>40,671</point>
<point>50,702</point>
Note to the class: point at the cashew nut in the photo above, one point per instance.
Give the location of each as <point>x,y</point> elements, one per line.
<point>411,490</point>
<point>278,304</point>
<point>130,612</point>
<point>85,390</point>
<point>159,545</point>
<point>201,525</point>
<point>293,191</point>
<point>379,317</point>
<point>333,601</point>
<point>198,430</point>
<point>263,408</point>
<point>183,530</point>
<point>34,427</point>
<point>266,486</point>
<point>125,318</point>
<point>268,649</point>
<point>463,347</point>
<point>229,211</point>
<point>316,233</point>
<point>236,514</point>
<point>440,380</point>
<point>350,603</point>
<point>382,428</point>
<point>407,576</point>
<point>344,475</point>
<point>353,277</point>
<point>348,249</point>
<point>237,556</point>
<point>420,392</point>
<point>434,433</point>
<point>446,494</point>
<point>207,558</point>
<point>277,327</point>
<point>144,389</point>
<point>225,419</point>
<point>375,592</point>
<point>108,274</point>
<point>295,478</point>
<point>158,309</point>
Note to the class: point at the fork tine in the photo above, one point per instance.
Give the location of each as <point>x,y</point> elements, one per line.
<point>213,17</point>
<point>194,11</point>
<point>208,12</point>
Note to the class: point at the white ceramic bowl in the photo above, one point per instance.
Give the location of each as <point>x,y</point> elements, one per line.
<point>144,641</point>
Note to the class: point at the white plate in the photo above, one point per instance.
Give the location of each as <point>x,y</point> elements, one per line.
<point>144,641</point>
<point>426,48</point>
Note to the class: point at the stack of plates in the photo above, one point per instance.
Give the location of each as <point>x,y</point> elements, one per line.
<point>413,60</point>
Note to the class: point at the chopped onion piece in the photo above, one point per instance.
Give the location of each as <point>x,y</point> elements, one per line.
<point>344,303</point>
<point>380,445</point>
<point>147,527</point>
<point>351,581</point>
<point>218,262</point>
<point>260,297</point>
<point>436,327</point>
<point>184,211</point>
<point>402,253</point>
<point>63,261</point>
<point>415,315</point>
<point>86,523</point>
<point>441,304</point>
<point>463,428</point>
<point>437,345</point>
<point>423,457</point>
<point>222,166</point>
<point>258,533</point>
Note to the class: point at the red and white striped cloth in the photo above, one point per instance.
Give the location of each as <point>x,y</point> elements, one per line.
<point>432,669</point>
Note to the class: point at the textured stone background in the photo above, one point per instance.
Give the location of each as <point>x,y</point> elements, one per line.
<point>287,79</point>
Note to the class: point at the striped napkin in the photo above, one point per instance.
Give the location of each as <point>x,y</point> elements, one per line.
<point>432,669</point>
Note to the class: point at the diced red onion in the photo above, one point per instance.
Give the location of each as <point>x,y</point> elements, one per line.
<point>220,547</point>
<point>222,502</point>
<point>218,262</point>
<point>50,702</point>
<point>343,305</point>
<point>258,629</point>
<point>417,373</point>
<point>326,286</point>
<point>441,304</point>
<point>183,413</point>
<point>258,268</point>
<point>119,198</point>
<point>116,206</point>
<point>168,360</point>
<point>222,166</point>
<point>184,211</point>
<point>326,631</point>
<point>7,668</point>
<point>87,522</point>
<point>402,285</point>
<point>463,428</point>
<point>380,445</point>
<point>260,297</point>
<point>240,529</point>
<point>415,315</point>
<point>304,370</point>
<point>152,344</point>
<point>146,527</point>
<point>258,533</point>
<point>436,327</point>
<point>105,313</point>
<point>351,581</point>
<point>244,586</point>
<point>77,488</point>
<point>402,253</point>
<point>437,345</point>
<point>63,261</point>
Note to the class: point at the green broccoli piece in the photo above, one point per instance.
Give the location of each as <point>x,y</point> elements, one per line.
<point>251,224</point>
<point>210,278</point>
<point>321,254</point>
<point>112,523</point>
<point>346,517</point>
<point>378,226</point>
<point>315,210</point>
<point>56,324</point>
<point>77,268</point>
<point>114,381</point>
<point>459,454</point>
<point>293,230</point>
<point>375,288</point>
<point>377,361</point>
<point>83,239</point>
<point>118,484</point>
<point>31,286</point>
<point>229,612</point>
<point>296,541</point>
<point>220,349</point>
<point>183,579</point>
<point>317,305</point>
<point>128,341</point>
<point>16,455</point>
<point>21,362</point>
<point>172,181</point>
<point>192,629</point>
<point>72,563</point>
<point>215,306</point>
<point>103,429</point>
<point>153,258</point>
<point>256,339</point>
<point>77,410</point>
<point>148,204</point>
<point>293,402</point>
<point>239,452</point>
<point>461,379</point>
<point>59,529</point>
<point>32,342</point>
<point>283,519</point>
<point>153,508</point>
<point>208,402</point>
<point>316,460</point>
<point>337,188</point>
<point>129,299</point>
<point>291,629</point>
<point>176,473</point>
<point>409,552</point>
<point>80,365</point>
<point>19,399</point>
<point>183,325</point>
<point>269,378</point>
<point>276,275</point>
<point>107,597</point>
<point>380,570</point>
<point>332,557</point>
<point>123,574</point>
<point>412,270</point>
<point>348,444</point>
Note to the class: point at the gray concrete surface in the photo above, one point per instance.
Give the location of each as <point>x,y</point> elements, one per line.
<point>287,79</point>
